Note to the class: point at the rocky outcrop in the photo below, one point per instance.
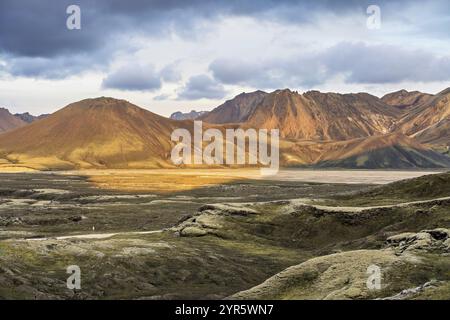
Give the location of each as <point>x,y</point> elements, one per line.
<point>428,240</point>
<point>209,220</point>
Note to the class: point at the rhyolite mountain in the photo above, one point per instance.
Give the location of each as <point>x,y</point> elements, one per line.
<point>8,121</point>
<point>321,116</point>
<point>403,99</point>
<point>309,116</point>
<point>102,132</point>
<point>429,121</point>
<point>359,130</point>
<point>401,130</point>
<point>235,110</point>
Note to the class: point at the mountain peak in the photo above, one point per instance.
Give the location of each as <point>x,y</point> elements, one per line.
<point>103,101</point>
<point>188,115</point>
<point>404,99</point>
<point>285,91</point>
<point>8,121</point>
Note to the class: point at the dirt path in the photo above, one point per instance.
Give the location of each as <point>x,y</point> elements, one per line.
<point>96,235</point>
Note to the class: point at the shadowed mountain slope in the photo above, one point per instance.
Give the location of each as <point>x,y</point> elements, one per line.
<point>188,115</point>
<point>387,151</point>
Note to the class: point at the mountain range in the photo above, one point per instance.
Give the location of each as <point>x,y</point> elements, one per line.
<point>10,121</point>
<point>187,115</point>
<point>400,130</point>
<point>101,132</point>
<point>331,116</point>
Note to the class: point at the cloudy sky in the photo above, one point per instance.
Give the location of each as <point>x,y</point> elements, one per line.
<point>170,55</point>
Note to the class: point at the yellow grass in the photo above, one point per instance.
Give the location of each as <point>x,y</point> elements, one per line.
<point>164,180</point>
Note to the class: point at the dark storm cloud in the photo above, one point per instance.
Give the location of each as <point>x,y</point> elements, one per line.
<point>38,28</point>
<point>138,77</point>
<point>355,62</point>
<point>35,42</point>
<point>202,86</point>
<point>51,68</point>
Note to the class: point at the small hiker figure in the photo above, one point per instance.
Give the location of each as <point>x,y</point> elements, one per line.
<point>93,228</point>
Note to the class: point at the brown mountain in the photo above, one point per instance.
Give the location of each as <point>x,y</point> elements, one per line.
<point>323,116</point>
<point>429,122</point>
<point>330,116</point>
<point>187,115</point>
<point>317,129</point>
<point>8,121</point>
<point>235,110</point>
<point>102,132</point>
<point>404,99</point>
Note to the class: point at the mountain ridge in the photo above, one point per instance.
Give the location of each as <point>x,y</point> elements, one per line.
<point>316,129</point>
<point>192,115</point>
<point>8,121</point>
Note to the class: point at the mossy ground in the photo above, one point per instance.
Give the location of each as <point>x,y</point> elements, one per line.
<point>239,250</point>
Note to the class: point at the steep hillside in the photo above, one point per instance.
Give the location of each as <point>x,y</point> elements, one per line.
<point>425,187</point>
<point>390,151</point>
<point>188,115</point>
<point>395,151</point>
<point>405,99</point>
<point>429,122</point>
<point>235,110</point>
<point>316,116</point>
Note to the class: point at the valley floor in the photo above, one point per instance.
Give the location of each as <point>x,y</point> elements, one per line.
<point>161,235</point>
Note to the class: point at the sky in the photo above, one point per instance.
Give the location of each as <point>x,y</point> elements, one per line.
<point>169,55</point>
